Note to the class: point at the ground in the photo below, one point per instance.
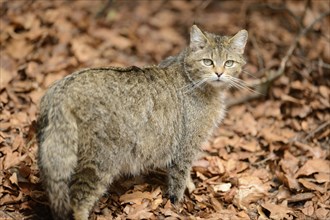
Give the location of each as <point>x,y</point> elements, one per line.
<point>268,160</point>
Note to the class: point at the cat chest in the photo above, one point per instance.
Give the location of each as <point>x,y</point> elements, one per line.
<point>202,119</point>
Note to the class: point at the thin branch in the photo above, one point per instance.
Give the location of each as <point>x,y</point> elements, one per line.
<point>322,64</point>
<point>9,215</point>
<point>105,7</point>
<point>318,129</point>
<point>263,85</point>
<point>276,8</point>
<point>293,46</point>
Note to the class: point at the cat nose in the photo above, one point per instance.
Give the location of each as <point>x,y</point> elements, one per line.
<point>218,74</point>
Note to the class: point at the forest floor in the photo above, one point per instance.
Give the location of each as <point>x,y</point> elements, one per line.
<point>268,160</point>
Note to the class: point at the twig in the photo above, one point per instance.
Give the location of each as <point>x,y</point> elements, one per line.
<point>263,85</point>
<point>321,63</point>
<point>205,4</point>
<point>104,8</point>
<point>6,213</point>
<point>318,129</point>
<point>282,8</point>
<point>293,46</point>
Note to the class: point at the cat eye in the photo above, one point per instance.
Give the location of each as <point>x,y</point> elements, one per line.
<point>207,62</point>
<point>229,63</point>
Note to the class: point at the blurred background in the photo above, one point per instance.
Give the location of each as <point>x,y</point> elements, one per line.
<point>266,142</point>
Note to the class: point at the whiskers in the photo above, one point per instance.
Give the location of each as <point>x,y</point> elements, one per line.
<point>226,80</point>
<point>193,85</point>
<point>248,73</point>
<point>237,83</point>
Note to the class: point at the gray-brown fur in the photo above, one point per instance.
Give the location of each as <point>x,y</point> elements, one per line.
<point>99,123</point>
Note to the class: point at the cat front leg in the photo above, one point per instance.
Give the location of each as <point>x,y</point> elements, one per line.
<point>178,179</point>
<point>190,184</point>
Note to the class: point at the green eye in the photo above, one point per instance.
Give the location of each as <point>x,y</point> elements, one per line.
<point>229,63</point>
<point>207,62</point>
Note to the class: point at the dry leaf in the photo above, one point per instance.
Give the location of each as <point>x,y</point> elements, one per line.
<point>19,49</point>
<point>301,197</point>
<point>278,211</point>
<point>322,177</point>
<point>250,190</point>
<point>312,186</point>
<point>136,197</point>
<point>308,208</point>
<point>224,187</point>
<point>314,166</point>
<point>322,213</point>
<point>13,179</point>
<point>251,146</point>
<point>289,164</point>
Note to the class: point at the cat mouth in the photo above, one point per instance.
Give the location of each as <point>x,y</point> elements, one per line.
<point>217,79</point>
<point>217,82</point>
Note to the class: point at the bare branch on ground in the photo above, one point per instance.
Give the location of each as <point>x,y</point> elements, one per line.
<point>263,85</point>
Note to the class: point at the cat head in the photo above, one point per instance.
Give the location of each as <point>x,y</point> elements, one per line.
<point>215,60</point>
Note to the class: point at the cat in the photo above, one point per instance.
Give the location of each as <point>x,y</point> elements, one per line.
<point>99,123</point>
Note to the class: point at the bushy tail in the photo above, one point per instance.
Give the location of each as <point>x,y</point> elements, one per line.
<point>57,137</point>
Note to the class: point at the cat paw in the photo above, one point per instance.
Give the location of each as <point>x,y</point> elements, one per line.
<point>190,185</point>
<point>173,199</point>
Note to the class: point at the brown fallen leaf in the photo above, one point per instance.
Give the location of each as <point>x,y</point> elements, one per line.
<point>140,211</point>
<point>12,159</point>
<point>224,187</point>
<point>301,197</point>
<point>217,205</point>
<point>271,136</point>
<point>82,50</point>
<point>278,211</point>
<point>292,182</point>
<point>6,76</point>
<point>136,197</point>
<point>314,166</point>
<point>312,186</point>
<point>216,166</point>
<point>322,213</point>
<point>300,111</point>
<point>236,166</point>
<point>247,123</point>
<point>52,77</point>
<point>250,189</point>
<point>322,177</point>
<point>283,193</point>
<point>289,163</point>
<point>222,141</point>
<point>13,179</point>
<point>170,214</point>
<point>251,146</point>
<point>36,95</point>
<point>19,48</point>
<point>308,208</point>
<point>9,199</point>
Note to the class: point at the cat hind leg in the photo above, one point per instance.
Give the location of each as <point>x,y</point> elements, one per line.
<point>87,186</point>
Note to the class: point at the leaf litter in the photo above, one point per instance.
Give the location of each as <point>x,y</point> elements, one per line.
<point>268,160</point>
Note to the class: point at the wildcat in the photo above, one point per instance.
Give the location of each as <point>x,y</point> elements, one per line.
<point>100,123</point>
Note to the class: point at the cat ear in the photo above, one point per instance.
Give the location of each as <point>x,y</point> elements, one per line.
<point>238,42</point>
<point>198,40</point>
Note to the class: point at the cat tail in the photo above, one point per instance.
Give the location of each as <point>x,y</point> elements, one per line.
<point>58,139</point>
